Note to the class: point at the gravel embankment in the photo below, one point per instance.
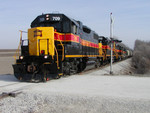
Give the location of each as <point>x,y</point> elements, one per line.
<point>95,92</point>
<point>64,103</point>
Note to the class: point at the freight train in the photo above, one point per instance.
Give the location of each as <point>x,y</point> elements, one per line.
<point>58,45</point>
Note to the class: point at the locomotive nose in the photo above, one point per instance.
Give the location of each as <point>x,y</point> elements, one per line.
<point>41,41</point>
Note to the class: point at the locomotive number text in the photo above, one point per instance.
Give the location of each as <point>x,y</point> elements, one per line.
<point>55,18</point>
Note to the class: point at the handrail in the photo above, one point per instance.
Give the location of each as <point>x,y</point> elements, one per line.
<point>17,51</point>
<point>57,56</point>
<point>62,48</point>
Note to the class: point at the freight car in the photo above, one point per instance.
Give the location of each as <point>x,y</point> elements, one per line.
<point>58,45</point>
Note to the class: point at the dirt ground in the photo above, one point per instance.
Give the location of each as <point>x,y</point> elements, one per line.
<point>6,61</point>
<point>6,65</point>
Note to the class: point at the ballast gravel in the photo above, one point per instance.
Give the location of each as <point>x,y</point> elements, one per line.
<point>60,103</point>
<point>95,92</point>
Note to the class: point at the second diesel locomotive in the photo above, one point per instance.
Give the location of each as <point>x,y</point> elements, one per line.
<point>58,45</point>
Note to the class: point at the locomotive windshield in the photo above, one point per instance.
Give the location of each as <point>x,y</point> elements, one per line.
<point>48,21</point>
<point>56,25</point>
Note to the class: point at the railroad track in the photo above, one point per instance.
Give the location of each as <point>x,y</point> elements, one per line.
<point>98,68</point>
<point>93,69</point>
<point>8,85</point>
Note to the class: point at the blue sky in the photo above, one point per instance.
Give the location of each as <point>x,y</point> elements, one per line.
<point>131,17</point>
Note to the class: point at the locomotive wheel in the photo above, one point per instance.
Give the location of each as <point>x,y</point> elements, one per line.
<point>97,63</point>
<point>44,79</point>
<point>81,67</point>
<point>57,77</point>
<point>66,68</point>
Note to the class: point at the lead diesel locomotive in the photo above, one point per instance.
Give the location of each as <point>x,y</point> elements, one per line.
<point>58,45</point>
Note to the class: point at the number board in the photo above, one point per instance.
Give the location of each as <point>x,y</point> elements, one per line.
<point>55,18</point>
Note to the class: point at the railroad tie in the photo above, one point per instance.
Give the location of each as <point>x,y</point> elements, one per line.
<point>7,94</point>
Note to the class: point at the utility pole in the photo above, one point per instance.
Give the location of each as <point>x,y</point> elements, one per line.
<point>111,38</point>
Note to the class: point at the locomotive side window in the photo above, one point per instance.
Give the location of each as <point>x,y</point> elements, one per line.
<point>86,30</point>
<point>74,28</point>
<point>66,27</point>
<point>96,36</point>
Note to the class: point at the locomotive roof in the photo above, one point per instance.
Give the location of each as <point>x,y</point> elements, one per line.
<point>53,17</point>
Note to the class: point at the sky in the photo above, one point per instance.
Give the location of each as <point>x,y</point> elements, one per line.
<point>131,17</point>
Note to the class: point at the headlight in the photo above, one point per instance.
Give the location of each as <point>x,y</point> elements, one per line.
<point>47,18</point>
<point>45,56</point>
<point>47,15</point>
<point>21,57</point>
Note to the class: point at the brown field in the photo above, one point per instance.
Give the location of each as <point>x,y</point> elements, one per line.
<point>7,50</point>
<point>6,61</point>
